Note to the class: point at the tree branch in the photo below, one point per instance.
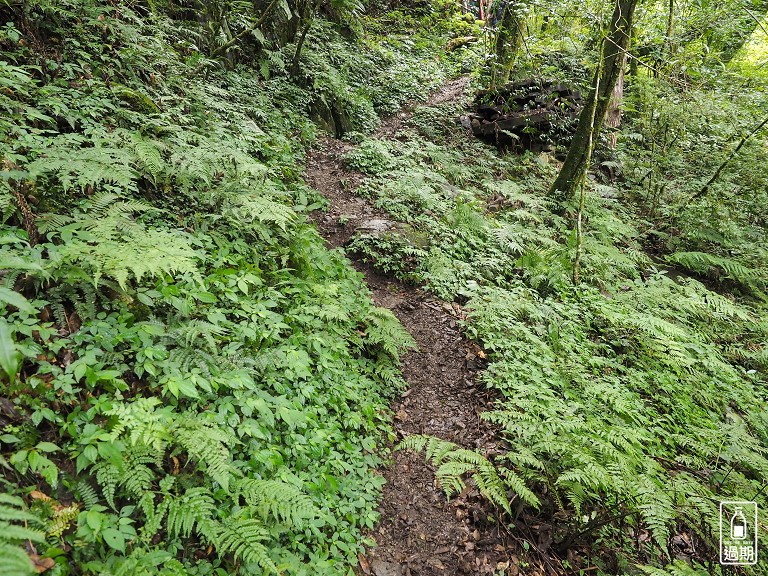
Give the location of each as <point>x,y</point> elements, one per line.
<point>227,45</point>
<point>727,161</point>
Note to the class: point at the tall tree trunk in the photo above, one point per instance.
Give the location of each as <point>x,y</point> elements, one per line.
<point>613,119</point>
<point>509,40</point>
<point>612,57</point>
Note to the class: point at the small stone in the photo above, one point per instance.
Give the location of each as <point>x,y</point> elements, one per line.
<point>375,226</point>
<point>383,568</point>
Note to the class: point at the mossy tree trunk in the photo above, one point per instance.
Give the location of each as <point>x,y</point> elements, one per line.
<point>612,56</point>
<point>613,118</point>
<point>509,40</point>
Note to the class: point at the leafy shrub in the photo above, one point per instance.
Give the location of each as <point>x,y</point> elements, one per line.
<point>173,339</point>
<point>370,157</point>
<point>390,252</point>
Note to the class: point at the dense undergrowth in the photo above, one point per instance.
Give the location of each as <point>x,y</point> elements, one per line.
<point>195,385</point>
<point>634,402</point>
<point>192,383</point>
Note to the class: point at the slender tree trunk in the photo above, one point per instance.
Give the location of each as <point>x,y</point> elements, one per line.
<point>612,57</point>
<point>509,40</point>
<point>299,46</point>
<point>310,17</point>
<point>670,26</point>
<point>582,197</point>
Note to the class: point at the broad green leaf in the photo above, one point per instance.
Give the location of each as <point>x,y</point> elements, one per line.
<point>10,358</point>
<point>15,299</point>
<point>188,389</point>
<point>114,539</point>
<point>93,519</point>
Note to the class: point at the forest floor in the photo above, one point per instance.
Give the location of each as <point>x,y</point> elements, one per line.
<point>420,532</point>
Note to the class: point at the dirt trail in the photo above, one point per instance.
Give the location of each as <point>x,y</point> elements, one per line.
<point>420,533</point>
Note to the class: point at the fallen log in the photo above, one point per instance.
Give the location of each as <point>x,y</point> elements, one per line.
<point>525,115</point>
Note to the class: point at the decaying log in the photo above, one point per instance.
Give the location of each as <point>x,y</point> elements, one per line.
<point>526,115</point>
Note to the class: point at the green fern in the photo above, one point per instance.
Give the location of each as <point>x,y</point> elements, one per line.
<point>193,332</point>
<point>676,568</point>
<point>146,562</point>
<point>243,208</point>
<point>209,445</point>
<point>276,500</point>
<point>704,263</point>
<point>106,240</point>
<point>149,157</point>
<point>143,423</point>
<point>195,506</point>
<point>454,463</point>
<point>108,476</point>
<point>656,507</point>
<point>76,166</point>
<point>87,494</point>
<point>155,429</point>
<point>244,538</point>
<point>201,164</point>
<point>14,531</point>
<point>385,331</point>
<point>62,519</point>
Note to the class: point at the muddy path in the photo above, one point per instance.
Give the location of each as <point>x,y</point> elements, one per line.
<point>420,532</point>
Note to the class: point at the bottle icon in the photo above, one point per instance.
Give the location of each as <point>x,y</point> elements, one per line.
<point>738,525</point>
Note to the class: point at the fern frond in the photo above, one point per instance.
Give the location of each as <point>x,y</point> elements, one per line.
<point>76,166</point>
<point>676,568</point>
<point>143,422</point>
<point>193,507</point>
<point>13,559</point>
<point>62,519</point>
<point>384,330</point>
<point>107,241</point>
<point>243,538</point>
<point>149,157</point>
<point>248,208</point>
<point>454,462</point>
<point>518,486</point>
<point>657,509</point>
<point>188,333</point>
<point>279,500</point>
<point>87,494</point>
<point>703,263</point>
<point>209,445</point>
